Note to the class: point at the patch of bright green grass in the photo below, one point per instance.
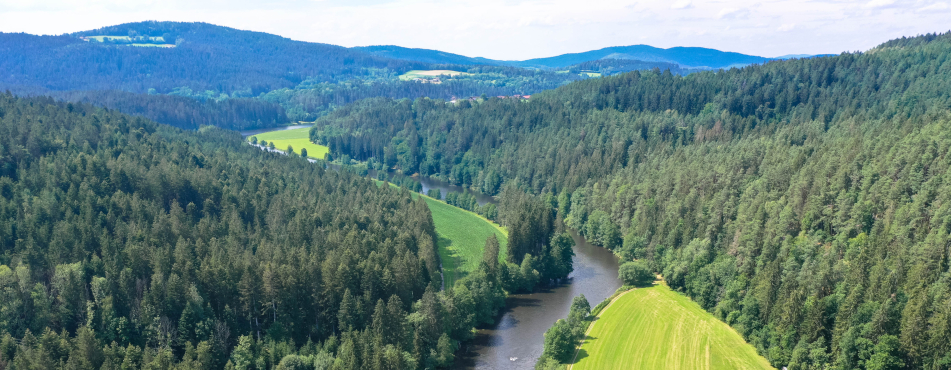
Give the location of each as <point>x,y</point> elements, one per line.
<point>429,74</point>
<point>462,235</point>
<point>298,138</point>
<point>657,328</point>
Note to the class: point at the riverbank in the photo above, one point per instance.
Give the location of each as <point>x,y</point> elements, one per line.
<point>517,339</point>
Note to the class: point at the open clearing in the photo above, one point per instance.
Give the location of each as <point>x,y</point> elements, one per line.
<point>462,236</point>
<point>657,328</point>
<point>429,74</point>
<point>298,138</point>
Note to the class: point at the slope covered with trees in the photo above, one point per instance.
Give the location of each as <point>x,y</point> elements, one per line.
<point>804,202</point>
<point>129,244</point>
<point>205,57</point>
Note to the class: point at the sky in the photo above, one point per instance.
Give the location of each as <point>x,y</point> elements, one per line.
<point>518,30</point>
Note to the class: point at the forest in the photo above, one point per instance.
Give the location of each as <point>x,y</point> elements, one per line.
<point>206,57</point>
<point>803,202</point>
<point>131,244</point>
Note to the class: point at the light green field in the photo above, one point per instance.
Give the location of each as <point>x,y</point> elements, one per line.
<point>298,138</point>
<point>657,328</point>
<point>462,236</point>
<point>429,74</point>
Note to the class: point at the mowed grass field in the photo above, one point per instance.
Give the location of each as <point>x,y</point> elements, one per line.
<point>429,74</point>
<point>462,236</point>
<point>298,138</point>
<point>657,328</point>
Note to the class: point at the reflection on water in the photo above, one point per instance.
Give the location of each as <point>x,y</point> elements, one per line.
<point>519,334</point>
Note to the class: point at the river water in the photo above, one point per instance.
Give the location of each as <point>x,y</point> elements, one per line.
<point>517,339</point>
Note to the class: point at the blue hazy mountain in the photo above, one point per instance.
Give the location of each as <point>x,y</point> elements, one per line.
<point>425,55</point>
<point>685,57</point>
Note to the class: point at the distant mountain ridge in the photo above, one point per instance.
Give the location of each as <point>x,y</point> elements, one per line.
<point>205,57</point>
<point>685,57</point>
<point>426,55</point>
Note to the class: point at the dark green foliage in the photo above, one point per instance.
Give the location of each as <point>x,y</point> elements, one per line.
<point>244,64</point>
<point>129,244</point>
<point>636,273</point>
<point>179,111</point>
<point>804,202</point>
<point>559,342</point>
<point>565,335</point>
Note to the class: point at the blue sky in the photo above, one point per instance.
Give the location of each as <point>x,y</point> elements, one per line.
<point>521,29</point>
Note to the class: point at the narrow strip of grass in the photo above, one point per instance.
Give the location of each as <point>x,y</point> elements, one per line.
<point>657,328</point>
<point>462,235</point>
<point>298,138</point>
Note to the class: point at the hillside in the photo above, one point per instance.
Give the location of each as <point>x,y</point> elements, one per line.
<point>683,57</point>
<point>803,202</point>
<point>656,328</point>
<point>204,57</point>
<point>425,55</point>
<point>687,57</point>
<point>131,244</point>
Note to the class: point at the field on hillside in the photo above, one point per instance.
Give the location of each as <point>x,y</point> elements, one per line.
<point>298,138</point>
<point>429,74</point>
<point>462,236</point>
<point>657,328</point>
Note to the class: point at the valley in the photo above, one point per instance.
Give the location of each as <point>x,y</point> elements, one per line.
<point>465,212</point>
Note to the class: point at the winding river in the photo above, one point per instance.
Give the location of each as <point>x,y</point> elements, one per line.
<point>517,339</point>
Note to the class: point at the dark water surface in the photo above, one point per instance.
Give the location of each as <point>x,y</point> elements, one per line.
<point>517,339</point>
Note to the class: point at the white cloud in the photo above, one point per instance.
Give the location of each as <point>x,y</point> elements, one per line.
<point>879,3</point>
<point>682,4</point>
<point>732,13</point>
<point>936,7</point>
<point>786,27</point>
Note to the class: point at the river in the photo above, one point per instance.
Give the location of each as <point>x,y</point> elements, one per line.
<point>517,339</point>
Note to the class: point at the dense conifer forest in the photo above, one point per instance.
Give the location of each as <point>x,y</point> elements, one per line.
<point>803,202</point>
<point>205,57</point>
<point>130,244</point>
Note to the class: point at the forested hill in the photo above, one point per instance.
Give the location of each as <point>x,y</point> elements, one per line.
<point>127,244</point>
<point>804,202</point>
<point>426,55</point>
<point>201,57</point>
<point>686,57</point>
<point>679,57</point>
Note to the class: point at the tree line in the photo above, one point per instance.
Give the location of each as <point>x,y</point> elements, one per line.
<point>803,202</point>
<point>131,244</point>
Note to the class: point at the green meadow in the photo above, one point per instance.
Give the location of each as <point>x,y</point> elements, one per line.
<point>298,138</point>
<point>657,328</point>
<point>462,236</point>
